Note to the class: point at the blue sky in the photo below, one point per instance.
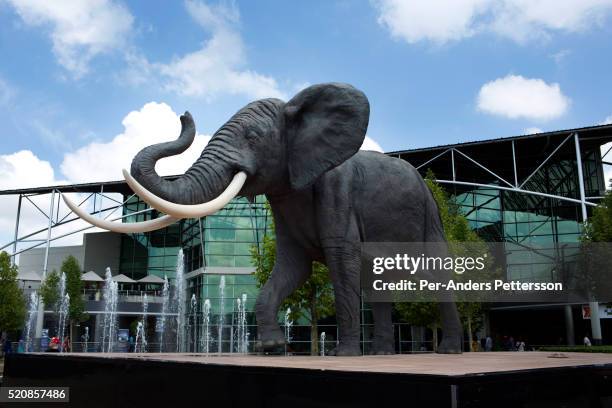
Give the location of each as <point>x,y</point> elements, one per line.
<point>86,84</point>
<point>423,83</point>
<point>69,74</point>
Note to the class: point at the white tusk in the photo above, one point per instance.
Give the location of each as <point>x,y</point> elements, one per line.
<point>183,210</point>
<point>127,228</point>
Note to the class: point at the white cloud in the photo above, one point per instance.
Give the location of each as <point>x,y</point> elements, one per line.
<point>532,131</point>
<point>522,20</point>
<point>153,123</point>
<point>371,144</point>
<point>517,97</point>
<point>436,21</point>
<point>560,56</point>
<point>606,153</point>
<point>606,121</point>
<point>24,169</point>
<point>218,67</point>
<point>442,21</point>
<point>79,29</point>
<point>6,92</point>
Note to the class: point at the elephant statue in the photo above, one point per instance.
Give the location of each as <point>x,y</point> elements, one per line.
<point>327,197</point>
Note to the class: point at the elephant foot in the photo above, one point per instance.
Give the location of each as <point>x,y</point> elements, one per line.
<point>382,349</point>
<point>270,340</point>
<point>451,345</point>
<point>268,345</point>
<point>382,345</point>
<point>345,350</point>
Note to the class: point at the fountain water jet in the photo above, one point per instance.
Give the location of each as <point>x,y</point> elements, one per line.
<point>32,319</point>
<point>323,343</point>
<point>288,326</point>
<point>242,344</point>
<point>85,339</point>
<point>179,297</point>
<point>140,345</point>
<point>63,313</point>
<point>110,312</point>
<point>221,315</point>
<point>143,326</point>
<point>162,318</point>
<point>193,325</point>
<point>205,335</point>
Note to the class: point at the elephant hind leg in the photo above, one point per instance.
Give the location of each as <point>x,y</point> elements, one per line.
<point>452,331</point>
<point>343,262</point>
<point>291,270</point>
<point>383,342</point>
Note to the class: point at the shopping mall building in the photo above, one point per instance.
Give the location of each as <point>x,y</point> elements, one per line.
<point>528,191</point>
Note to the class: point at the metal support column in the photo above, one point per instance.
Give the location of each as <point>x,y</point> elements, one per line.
<point>202,242</point>
<point>16,236</point>
<point>514,165</point>
<point>48,244</point>
<point>594,306</point>
<point>101,200</point>
<point>453,164</point>
<point>580,178</point>
<point>41,305</point>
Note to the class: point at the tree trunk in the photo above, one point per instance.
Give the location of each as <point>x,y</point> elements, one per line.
<point>434,329</point>
<point>469,329</point>
<point>314,335</point>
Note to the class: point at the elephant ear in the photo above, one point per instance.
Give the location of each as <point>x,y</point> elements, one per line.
<point>325,125</point>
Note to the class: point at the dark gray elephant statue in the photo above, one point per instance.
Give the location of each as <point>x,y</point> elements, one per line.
<point>327,197</point>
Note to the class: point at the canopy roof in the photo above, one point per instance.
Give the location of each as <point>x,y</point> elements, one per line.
<point>91,276</point>
<point>28,276</point>
<point>121,278</point>
<point>151,279</point>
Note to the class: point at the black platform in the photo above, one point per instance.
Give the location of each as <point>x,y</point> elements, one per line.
<point>257,381</point>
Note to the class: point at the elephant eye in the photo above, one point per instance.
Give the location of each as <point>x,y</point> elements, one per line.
<point>254,135</point>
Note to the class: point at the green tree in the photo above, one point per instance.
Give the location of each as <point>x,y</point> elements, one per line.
<point>598,228</point>
<point>456,230</point>
<point>314,300</point>
<point>12,301</point>
<point>74,289</point>
<point>49,291</point>
<point>594,260</point>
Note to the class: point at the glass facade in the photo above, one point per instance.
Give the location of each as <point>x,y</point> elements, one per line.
<point>215,248</point>
<point>538,229</point>
<point>228,236</point>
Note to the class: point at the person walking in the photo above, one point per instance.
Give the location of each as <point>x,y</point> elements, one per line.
<point>488,343</point>
<point>66,345</point>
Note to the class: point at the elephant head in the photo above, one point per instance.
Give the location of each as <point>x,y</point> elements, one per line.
<point>268,147</point>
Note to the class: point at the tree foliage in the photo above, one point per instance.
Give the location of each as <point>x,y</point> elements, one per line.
<point>49,290</point>
<point>314,300</point>
<point>12,301</point>
<point>74,288</point>
<point>456,230</point>
<point>598,228</point>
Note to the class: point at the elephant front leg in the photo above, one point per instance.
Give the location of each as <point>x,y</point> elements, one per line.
<point>291,269</point>
<point>452,331</point>
<point>344,265</point>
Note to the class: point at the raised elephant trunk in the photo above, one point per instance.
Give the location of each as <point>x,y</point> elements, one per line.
<point>206,187</point>
<point>203,181</point>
